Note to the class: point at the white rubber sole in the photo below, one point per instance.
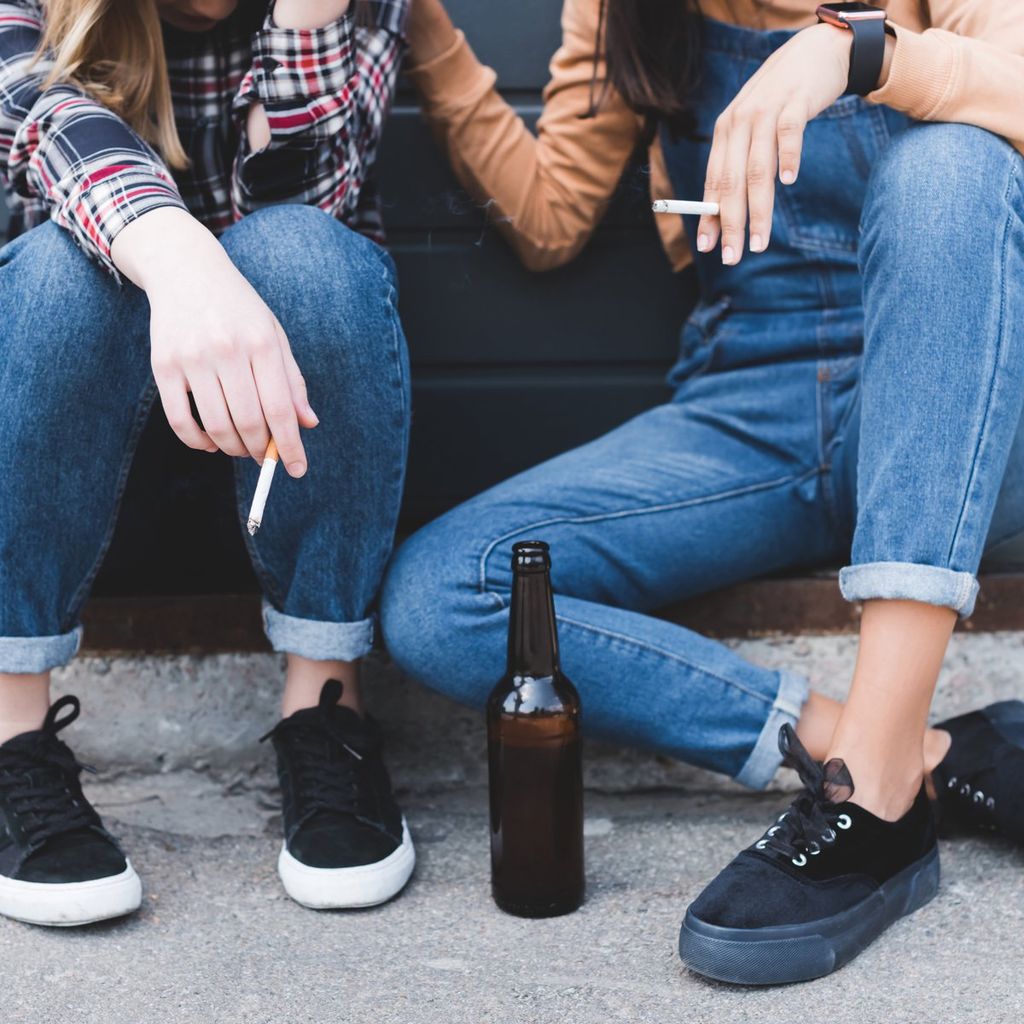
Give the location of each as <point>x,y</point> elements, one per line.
<point>69,904</point>
<point>348,888</point>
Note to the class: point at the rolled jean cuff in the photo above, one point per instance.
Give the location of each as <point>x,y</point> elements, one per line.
<point>318,641</point>
<point>31,654</point>
<point>907,581</point>
<point>766,757</point>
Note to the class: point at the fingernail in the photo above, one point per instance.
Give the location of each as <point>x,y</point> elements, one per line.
<point>756,243</point>
<point>702,243</point>
<point>316,419</point>
<point>296,468</point>
<point>212,449</point>
<point>788,177</point>
<point>728,254</point>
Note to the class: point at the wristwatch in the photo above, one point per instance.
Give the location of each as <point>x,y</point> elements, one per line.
<point>867,47</point>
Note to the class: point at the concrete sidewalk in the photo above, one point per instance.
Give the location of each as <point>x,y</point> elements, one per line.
<point>218,941</point>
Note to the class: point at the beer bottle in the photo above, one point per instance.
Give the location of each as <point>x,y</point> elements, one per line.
<point>534,755</point>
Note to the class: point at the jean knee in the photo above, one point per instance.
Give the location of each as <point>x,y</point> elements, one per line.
<point>430,618</point>
<point>334,292</point>
<point>68,326</point>
<point>934,189</point>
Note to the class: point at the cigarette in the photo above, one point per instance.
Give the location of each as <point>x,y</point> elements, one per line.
<point>690,206</point>
<point>259,500</point>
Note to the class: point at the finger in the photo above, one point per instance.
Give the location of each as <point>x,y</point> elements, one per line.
<point>268,370</point>
<point>244,408</point>
<point>733,193</point>
<point>174,398</point>
<point>790,133</point>
<point>213,411</point>
<point>761,183</point>
<point>709,226</point>
<point>296,383</point>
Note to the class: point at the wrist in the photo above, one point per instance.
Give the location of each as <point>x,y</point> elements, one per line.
<point>156,249</point>
<point>890,51</point>
<point>308,14</point>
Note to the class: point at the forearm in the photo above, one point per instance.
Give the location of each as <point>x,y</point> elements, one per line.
<point>971,75</point>
<point>545,191</point>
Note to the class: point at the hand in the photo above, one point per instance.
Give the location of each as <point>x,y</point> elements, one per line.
<point>761,132</point>
<point>212,335</point>
<point>430,31</point>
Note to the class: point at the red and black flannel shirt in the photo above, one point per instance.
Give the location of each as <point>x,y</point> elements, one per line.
<point>326,92</point>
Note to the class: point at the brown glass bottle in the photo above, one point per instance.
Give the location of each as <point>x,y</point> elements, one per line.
<point>535,757</point>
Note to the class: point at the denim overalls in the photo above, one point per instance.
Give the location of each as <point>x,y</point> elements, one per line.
<point>830,406</point>
<point>801,297</point>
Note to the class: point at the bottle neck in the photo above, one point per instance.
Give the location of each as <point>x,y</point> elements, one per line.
<point>532,636</point>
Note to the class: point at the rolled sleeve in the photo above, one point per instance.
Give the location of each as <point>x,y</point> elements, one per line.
<point>302,77</point>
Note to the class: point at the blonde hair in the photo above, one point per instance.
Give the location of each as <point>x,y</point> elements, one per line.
<point>114,50</point>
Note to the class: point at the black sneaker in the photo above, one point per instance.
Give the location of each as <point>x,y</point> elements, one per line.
<point>821,884</point>
<point>978,783</point>
<point>346,842</point>
<point>58,864</point>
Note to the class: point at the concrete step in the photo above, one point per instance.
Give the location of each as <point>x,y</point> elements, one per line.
<point>206,713</point>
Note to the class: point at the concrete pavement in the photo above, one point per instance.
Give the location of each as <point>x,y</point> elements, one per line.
<point>218,941</point>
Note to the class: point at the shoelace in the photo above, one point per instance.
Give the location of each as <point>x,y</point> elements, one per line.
<point>326,779</point>
<point>814,819</point>
<point>39,780</point>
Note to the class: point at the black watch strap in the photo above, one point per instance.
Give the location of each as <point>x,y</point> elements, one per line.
<point>867,53</point>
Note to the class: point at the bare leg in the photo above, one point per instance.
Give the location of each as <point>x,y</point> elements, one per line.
<point>817,725</point>
<point>882,730</point>
<point>305,678</point>
<point>24,701</point>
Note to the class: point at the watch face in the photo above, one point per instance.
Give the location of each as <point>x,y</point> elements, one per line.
<point>856,11</point>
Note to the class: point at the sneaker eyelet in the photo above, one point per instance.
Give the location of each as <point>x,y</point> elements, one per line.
<point>829,836</point>
<point>990,804</point>
<point>799,861</point>
<point>813,848</point>
<point>772,830</point>
<point>965,789</point>
<point>979,797</point>
<point>844,821</point>
<point>952,783</point>
<point>761,844</point>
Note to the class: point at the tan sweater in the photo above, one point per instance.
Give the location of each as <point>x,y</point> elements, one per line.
<point>955,60</point>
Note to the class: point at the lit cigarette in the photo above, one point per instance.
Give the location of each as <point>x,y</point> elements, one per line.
<point>686,206</point>
<point>259,500</point>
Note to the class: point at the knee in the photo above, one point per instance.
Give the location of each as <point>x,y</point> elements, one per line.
<point>934,189</point>
<point>429,618</point>
<point>68,325</point>
<point>333,290</point>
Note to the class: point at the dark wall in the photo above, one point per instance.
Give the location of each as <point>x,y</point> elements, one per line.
<point>509,367</point>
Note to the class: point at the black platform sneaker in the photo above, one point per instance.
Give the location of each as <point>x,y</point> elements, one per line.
<point>58,864</point>
<point>821,884</point>
<point>978,784</point>
<point>346,842</point>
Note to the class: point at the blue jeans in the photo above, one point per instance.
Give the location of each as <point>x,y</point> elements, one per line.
<point>783,447</point>
<point>77,389</point>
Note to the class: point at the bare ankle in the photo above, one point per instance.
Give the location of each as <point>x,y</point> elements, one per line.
<point>24,701</point>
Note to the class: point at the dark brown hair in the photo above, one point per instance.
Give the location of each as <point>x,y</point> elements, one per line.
<point>651,48</point>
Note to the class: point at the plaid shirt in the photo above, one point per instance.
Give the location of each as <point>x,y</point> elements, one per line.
<point>326,93</point>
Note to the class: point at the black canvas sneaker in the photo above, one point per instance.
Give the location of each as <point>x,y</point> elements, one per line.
<point>346,842</point>
<point>821,884</point>
<point>58,864</point>
<point>978,783</point>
